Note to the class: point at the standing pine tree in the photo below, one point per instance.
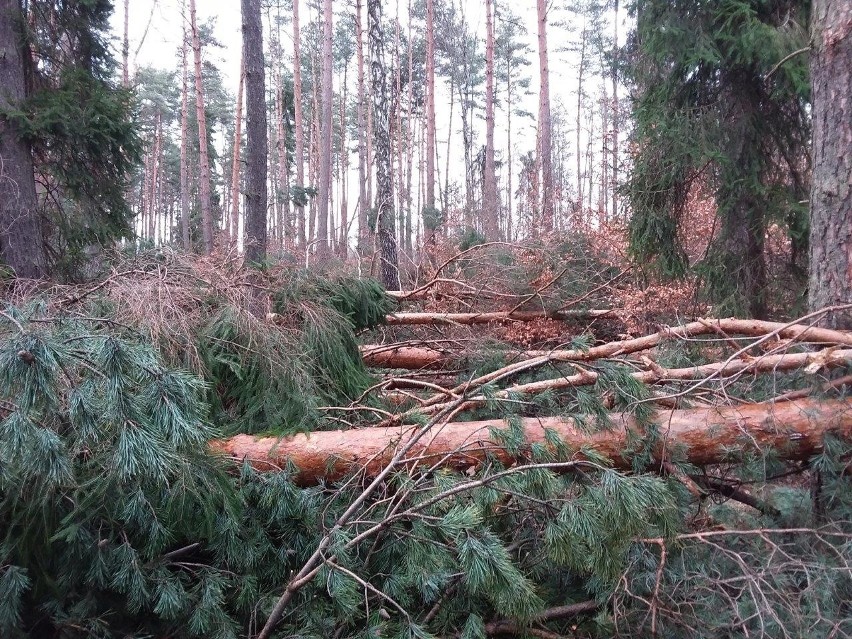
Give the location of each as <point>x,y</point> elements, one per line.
<point>719,103</point>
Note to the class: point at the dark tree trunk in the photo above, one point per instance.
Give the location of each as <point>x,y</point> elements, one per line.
<point>256,140</point>
<point>21,244</point>
<point>831,183</point>
<point>381,125</point>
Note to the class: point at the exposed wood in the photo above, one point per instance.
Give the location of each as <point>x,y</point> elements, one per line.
<point>793,430</point>
<point>402,357</point>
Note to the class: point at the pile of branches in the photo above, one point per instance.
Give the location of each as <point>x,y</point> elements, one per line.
<point>691,481</point>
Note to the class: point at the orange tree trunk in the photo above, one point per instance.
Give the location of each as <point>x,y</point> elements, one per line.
<point>794,430</point>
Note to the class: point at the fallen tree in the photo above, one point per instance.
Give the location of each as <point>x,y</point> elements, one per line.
<point>408,319</point>
<point>793,430</point>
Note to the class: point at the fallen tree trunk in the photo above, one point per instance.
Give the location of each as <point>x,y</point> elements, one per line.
<point>811,362</point>
<point>414,357</point>
<point>408,357</point>
<point>793,430</point>
<point>408,319</point>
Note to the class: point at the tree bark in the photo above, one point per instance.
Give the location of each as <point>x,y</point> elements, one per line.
<point>21,243</point>
<point>544,122</point>
<point>363,174</point>
<point>490,205</point>
<point>389,268</point>
<point>324,189</point>
<point>236,160</point>
<point>256,133</point>
<point>831,183</point>
<point>430,217</point>
<point>792,430</point>
<point>203,153</point>
<point>125,47</point>
<point>299,133</point>
<point>184,147</point>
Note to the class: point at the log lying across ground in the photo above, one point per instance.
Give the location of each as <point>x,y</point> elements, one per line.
<point>497,316</point>
<point>415,357</point>
<point>793,430</point>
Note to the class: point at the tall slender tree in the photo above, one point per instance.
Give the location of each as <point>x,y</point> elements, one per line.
<point>326,132</point>
<point>236,159</point>
<point>389,265</point>
<point>490,202</point>
<point>430,213</point>
<point>300,193</point>
<point>545,146</point>
<point>831,183</point>
<point>256,134</point>
<point>184,142</point>
<point>203,152</point>
<point>363,174</point>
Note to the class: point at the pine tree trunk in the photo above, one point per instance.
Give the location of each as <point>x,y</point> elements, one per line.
<point>430,214</point>
<point>389,269</point>
<point>410,130</point>
<point>831,183</point>
<point>615,116</point>
<point>21,243</point>
<point>125,47</point>
<point>701,436</point>
<point>184,148</point>
<point>282,201</point>
<point>203,153</point>
<point>236,166</point>
<point>544,122</point>
<point>343,246</point>
<point>363,200</point>
<point>299,133</point>
<point>490,205</point>
<point>326,133</point>
<point>256,133</point>
<point>580,78</point>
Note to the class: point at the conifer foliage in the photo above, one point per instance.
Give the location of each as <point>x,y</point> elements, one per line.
<point>721,103</point>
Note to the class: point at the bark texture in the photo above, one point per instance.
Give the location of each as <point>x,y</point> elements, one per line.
<point>256,135</point>
<point>236,160</point>
<point>544,122</point>
<point>184,146</point>
<point>203,151</point>
<point>490,206</point>
<point>324,194</point>
<point>299,133</point>
<point>794,430</point>
<point>363,199</point>
<point>21,244</point>
<point>389,267</point>
<point>831,182</point>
